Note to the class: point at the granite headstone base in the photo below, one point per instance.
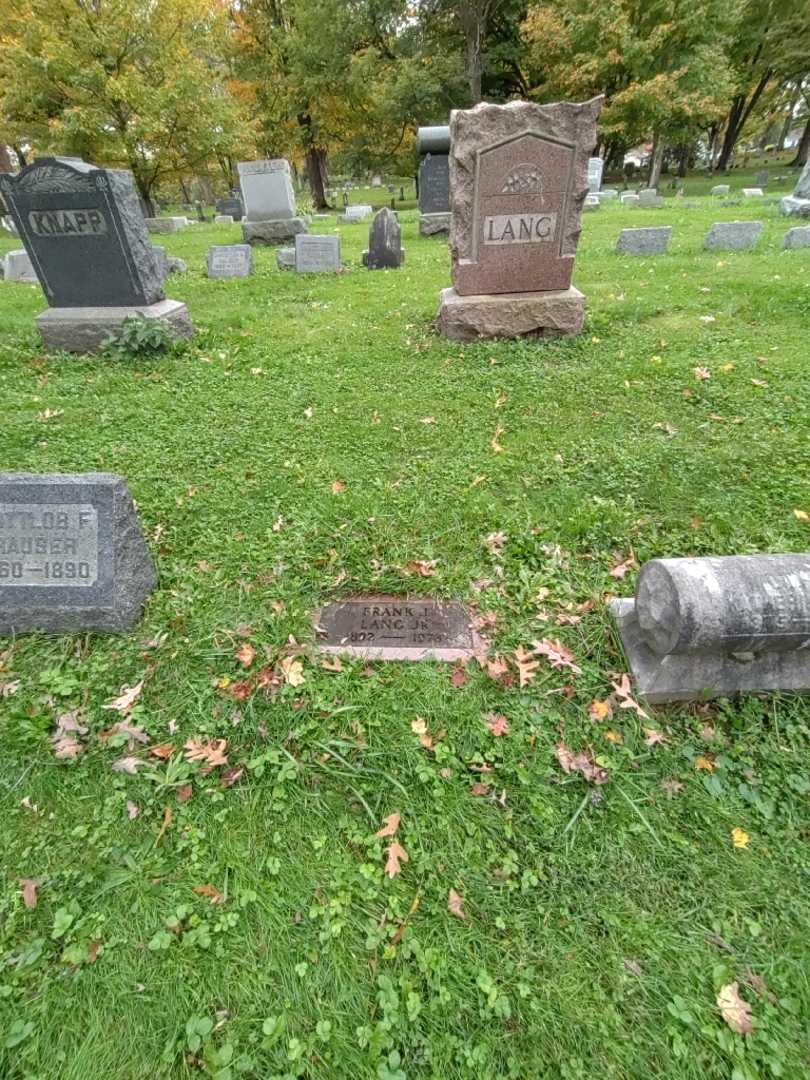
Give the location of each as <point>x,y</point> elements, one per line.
<point>434,224</point>
<point>85,330</point>
<point>364,258</point>
<point>279,231</point>
<point>510,315</point>
<point>72,555</point>
<point>705,675</point>
<point>793,207</point>
<point>797,238</point>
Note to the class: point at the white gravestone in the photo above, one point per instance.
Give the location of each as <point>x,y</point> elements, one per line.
<point>267,190</point>
<point>595,167</point>
<point>17,266</point>
<point>317,254</point>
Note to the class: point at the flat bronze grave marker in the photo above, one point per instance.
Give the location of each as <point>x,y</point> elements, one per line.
<point>397,628</point>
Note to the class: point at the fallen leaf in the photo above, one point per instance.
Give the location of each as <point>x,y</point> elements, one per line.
<point>331,665</point>
<point>390,827</point>
<point>212,752</point>
<point>293,671</point>
<point>129,765</point>
<point>479,788</point>
<point>614,737</point>
<point>396,855</point>
<point>653,737</point>
<point>758,382</point>
<point>133,810</point>
<point>622,692</point>
<point>184,793</point>
<point>245,654</point>
<point>455,904</point>
<point>740,838</point>
<point>801,515</point>
<point>495,542</point>
<point>29,892</point>
<point>556,654</point>
<point>459,678</point>
<point>168,814</point>
<point>581,763</point>
<point>600,710</point>
<point>418,726</point>
<point>163,750</point>
<point>497,668</point>
<point>633,967</point>
<point>205,566</point>
<point>702,373</point>
<point>672,787</point>
<point>211,892</point>
<point>9,688</point>
<point>526,664</point>
<point>133,732</point>
<point>230,776</point>
<point>129,695</point>
<point>704,764</point>
<point>423,567</point>
<point>338,487</point>
<point>497,724</point>
<point>620,568</point>
<point>496,446</point>
<point>735,1011</point>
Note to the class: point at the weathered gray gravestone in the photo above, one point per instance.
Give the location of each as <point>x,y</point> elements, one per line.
<point>230,261</point>
<point>595,167</point>
<point>518,181</point>
<point>653,241</point>
<point>714,627</point>
<point>317,254</point>
<point>798,204</point>
<point>85,234</point>
<point>384,242</point>
<point>433,145</point>
<point>733,235</point>
<point>720,189</point>
<point>162,225</point>
<point>223,219</point>
<point>649,197</point>
<point>72,555</point>
<point>269,199</point>
<point>798,237</point>
<point>17,266</point>
<point>285,258</point>
<point>232,206</point>
<point>397,628</point>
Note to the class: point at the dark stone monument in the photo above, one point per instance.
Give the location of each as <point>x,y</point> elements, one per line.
<point>345,198</point>
<point>402,194</point>
<point>87,239</point>
<point>433,144</point>
<point>72,555</point>
<point>232,206</point>
<point>397,628</point>
<point>384,242</point>
<point>715,627</point>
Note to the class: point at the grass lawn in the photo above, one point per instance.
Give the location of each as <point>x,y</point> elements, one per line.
<point>600,921</point>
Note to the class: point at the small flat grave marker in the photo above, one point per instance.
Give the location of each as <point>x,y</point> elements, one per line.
<point>72,556</point>
<point>317,254</point>
<point>394,628</point>
<point>230,261</point>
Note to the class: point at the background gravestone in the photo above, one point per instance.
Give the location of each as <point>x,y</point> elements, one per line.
<point>86,236</point>
<point>230,261</point>
<point>317,254</point>
<point>384,242</point>
<point>72,555</point>
<point>433,179</point>
<point>798,204</point>
<point>595,167</point>
<point>269,199</point>
<point>652,241</point>
<point>797,238</point>
<point>518,178</point>
<point>232,206</point>
<point>732,235</point>
<point>17,266</point>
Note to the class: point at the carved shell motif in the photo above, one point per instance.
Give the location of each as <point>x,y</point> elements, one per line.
<point>53,179</point>
<point>524,179</point>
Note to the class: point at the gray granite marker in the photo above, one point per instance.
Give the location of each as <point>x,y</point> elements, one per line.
<point>798,237</point>
<point>652,241</point>
<point>269,198</point>
<point>720,189</point>
<point>433,146</point>
<point>733,235</point>
<point>285,258</point>
<point>798,204</point>
<point>72,555</point>
<point>223,219</point>
<point>715,627</point>
<point>162,225</point>
<point>85,235</point>
<point>230,261</point>
<point>17,266</point>
<point>317,254</point>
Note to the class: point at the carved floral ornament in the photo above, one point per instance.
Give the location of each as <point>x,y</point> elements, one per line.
<point>53,179</point>
<point>524,179</point>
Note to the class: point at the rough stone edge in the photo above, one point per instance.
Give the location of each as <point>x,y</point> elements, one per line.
<point>457,318</point>
<point>277,231</point>
<point>84,330</point>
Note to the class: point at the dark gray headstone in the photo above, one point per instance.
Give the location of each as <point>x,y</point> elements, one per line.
<point>85,233</point>
<point>395,628</point>
<point>434,184</point>
<point>709,627</point>
<point>652,241</point>
<point>72,555</point>
<point>233,206</point>
<point>761,179</point>
<point>384,241</point>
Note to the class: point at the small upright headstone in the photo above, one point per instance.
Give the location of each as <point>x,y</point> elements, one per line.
<point>84,232</point>
<point>629,198</point>
<point>317,254</point>
<point>402,194</point>
<point>595,167</point>
<point>232,206</point>
<point>269,199</point>
<point>752,192</point>
<point>72,556</point>
<point>649,198</point>
<point>285,258</point>
<point>761,179</point>
<point>798,204</point>
<point>223,219</point>
<point>608,193</point>
<point>518,181</point>
<point>345,199</point>
<point>230,261</point>
<point>433,145</point>
<point>384,242</point>
<point>200,212</point>
<point>720,190</point>
<point>376,181</point>
<point>17,266</point>
<point>701,628</point>
<point>653,241</point>
<point>162,225</point>
<point>798,237</point>
<point>358,212</point>
<point>733,235</point>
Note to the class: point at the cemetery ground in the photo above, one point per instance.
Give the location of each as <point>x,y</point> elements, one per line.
<point>176,907</point>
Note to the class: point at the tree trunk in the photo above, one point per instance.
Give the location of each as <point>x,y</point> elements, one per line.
<point>737,116</point>
<point>804,146</point>
<point>5,159</point>
<point>317,176</point>
<point>683,161</point>
<point>787,123</point>
<point>473,19</point>
<point>20,156</point>
<point>656,161</point>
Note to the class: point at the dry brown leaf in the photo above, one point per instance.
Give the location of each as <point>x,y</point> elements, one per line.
<point>163,750</point>
<point>581,763</point>
<point>622,692</point>
<point>672,787</point>
<point>245,654</point>
<point>497,668</point>
<point>479,788</point>
<point>390,827</point>
<point>129,765</point>
<point>230,776</point>
<point>600,710</point>
<point>459,678</point>
<point>557,655</point>
<point>211,892</point>
<point>184,793</point>
<point>129,695</point>
<point>338,487</point>
<point>212,752</point>
<point>134,733</point>
<point>494,443</point>
<point>621,567</point>
<point>29,892</point>
<point>735,1011</point>
<point>653,737</point>
<point>418,726</point>
<point>396,855</point>
<point>497,724</point>
<point>526,664</point>
<point>702,373</point>
<point>455,904</point>
<point>704,764</point>
<point>133,810</point>
<point>331,665</point>
<point>66,746</point>
<point>7,689</point>
<point>168,814</point>
<point>293,671</point>
<point>422,567</point>
<point>495,542</point>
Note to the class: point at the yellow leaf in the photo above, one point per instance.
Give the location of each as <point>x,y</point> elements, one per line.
<point>735,1011</point>
<point>614,737</point>
<point>292,670</point>
<point>600,710</point>
<point>740,838</point>
<point>704,763</point>
<point>801,515</point>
